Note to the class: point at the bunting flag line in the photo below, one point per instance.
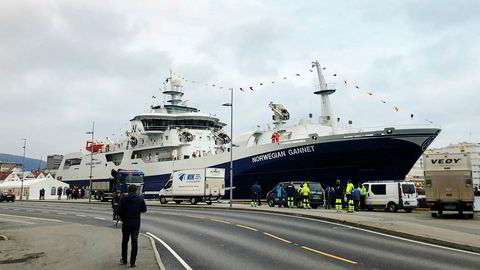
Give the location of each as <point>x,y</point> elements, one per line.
<point>255,86</point>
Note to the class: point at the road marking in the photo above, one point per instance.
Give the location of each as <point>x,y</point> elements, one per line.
<point>278,238</point>
<point>80,215</point>
<point>15,209</point>
<point>61,213</point>
<point>365,230</point>
<point>246,227</point>
<point>45,212</point>
<point>221,221</point>
<point>47,219</point>
<point>155,251</point>
<point>29,210</point>
<point>328,255</point>
<point>100,218</point>
<point>171,251</point>
<point>20,221</point>
<point>193,216</point>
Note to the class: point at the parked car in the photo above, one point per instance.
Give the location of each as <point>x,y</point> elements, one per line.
<point>316,199</point>
<point>7,196</point>
<point>391,196</point>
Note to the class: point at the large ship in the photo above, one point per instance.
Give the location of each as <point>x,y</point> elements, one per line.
<point>175,136</point>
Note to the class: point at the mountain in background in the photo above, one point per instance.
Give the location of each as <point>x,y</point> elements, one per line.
<point>30,163</point>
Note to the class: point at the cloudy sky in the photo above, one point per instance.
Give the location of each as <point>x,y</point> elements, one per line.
<point>64,64</point>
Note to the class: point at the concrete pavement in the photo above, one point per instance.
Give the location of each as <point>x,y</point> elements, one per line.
<point>50,243</point>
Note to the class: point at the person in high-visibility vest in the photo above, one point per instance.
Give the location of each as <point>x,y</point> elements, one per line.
<point>363,196</point>
<point>305,192</point>
<point>349,196</point>
<point>338,196</point>
<point>290,190</point>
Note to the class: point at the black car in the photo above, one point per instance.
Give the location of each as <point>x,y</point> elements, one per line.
<point>7,196</point>
<point>316,198</point>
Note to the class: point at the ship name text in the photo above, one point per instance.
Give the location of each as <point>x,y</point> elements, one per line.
<point>284,153</point>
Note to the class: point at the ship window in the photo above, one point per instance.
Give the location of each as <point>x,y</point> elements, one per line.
<point>379,189</point>
<point>208,138</point>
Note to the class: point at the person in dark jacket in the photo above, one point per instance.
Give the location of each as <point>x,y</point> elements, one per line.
<point>42,194</point>
<point>59,192</point>
<point>291,192</point>
<point>129,209</point>
<point>338,196</point>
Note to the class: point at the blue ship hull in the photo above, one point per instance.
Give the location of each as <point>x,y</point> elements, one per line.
<point>359,160</point>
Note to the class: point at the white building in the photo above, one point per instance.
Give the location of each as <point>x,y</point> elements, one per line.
<point>416,174</point>
<point>471,149</point>
<point>31,188</point>
<point>8,176</point>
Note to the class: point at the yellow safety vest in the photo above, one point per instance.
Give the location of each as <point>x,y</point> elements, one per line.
<point>349,188</point>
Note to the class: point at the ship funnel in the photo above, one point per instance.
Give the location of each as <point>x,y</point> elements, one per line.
<point>326,115</point>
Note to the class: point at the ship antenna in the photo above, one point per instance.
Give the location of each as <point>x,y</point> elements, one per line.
<point>326,116</point>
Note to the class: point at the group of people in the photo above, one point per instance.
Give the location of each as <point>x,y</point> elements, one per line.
<point>281,193</point>
<point>75,193</point>
<point>351,197</point>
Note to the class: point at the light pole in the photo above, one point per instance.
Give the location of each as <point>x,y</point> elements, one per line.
<point>91,162</point>
<point>23,167</point>
<point>231,143</point>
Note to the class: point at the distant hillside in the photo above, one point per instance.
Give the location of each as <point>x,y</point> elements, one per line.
<point>30,163</point>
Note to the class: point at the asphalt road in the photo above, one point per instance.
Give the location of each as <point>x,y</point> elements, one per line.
<point>233,239</point>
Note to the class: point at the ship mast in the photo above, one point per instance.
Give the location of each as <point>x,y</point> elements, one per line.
<point>326,116</point>
<point>175,91</point>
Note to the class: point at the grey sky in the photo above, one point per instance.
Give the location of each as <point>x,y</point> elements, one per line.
<point>64,64</point>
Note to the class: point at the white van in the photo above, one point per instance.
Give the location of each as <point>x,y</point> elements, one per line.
<point>391,195</point>
<point>195,185</point>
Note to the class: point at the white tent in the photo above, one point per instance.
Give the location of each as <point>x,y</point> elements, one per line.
<point>32,187</point>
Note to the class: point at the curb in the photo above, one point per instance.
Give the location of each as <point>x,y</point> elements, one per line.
<point>333,220</point>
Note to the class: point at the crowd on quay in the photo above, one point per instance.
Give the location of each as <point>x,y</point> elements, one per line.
<point>350,197</point>
<point>70,193</point>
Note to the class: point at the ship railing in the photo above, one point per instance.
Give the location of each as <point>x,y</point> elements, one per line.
<point>342,128</point>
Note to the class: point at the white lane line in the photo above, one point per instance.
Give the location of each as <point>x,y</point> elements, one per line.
<point>221,221</point>
<point>80,215</point>
<point>155,251</point>
<point>29,210</point>
<point>61,213</point>
<point>246,227</point>
<point>45,212</point>
<point>278,238</point>
<point>373,232</point>
<point>20,221</point>
<point>47,219</point>
<point>171,251</point>
<point>100,218</point>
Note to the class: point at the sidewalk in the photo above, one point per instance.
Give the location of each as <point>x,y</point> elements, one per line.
<point>67,246</point>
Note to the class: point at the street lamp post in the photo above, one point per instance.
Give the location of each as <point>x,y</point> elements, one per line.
<point>231,144</point>
<point>91,162</point>
<point>23,167</point>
